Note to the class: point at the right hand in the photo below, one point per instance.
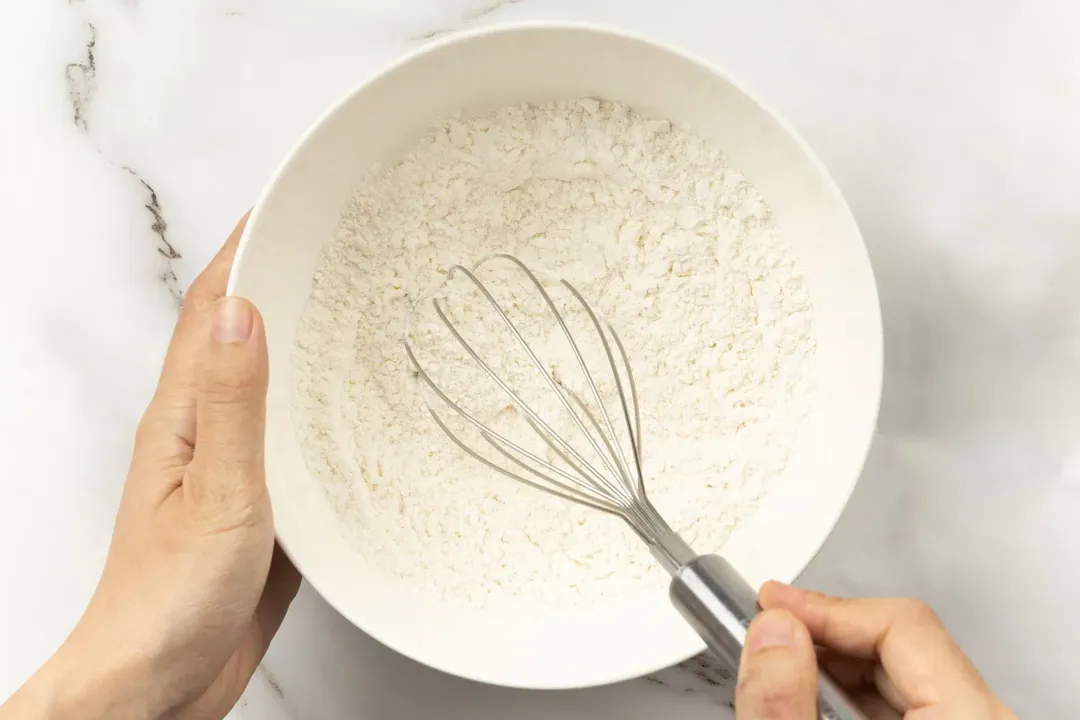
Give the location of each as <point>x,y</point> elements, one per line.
<point>893,656</point>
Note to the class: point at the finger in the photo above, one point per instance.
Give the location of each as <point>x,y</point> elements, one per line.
<point>876,707</point>
<point>862,678</point>
<point>778,671</point>
<point>921,661</point>
<point>174,400</point>
<point>227,469</point>
<point>851,673</point>
<point>888,690</point>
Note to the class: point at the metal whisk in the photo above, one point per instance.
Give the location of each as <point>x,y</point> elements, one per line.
<point>707,590</point>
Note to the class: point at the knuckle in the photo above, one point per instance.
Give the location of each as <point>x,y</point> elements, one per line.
<point>208,287</point>
<point>835,610</point>
<point>188,309</point>
<point>198,297</point>
<point>231,382</point>
<point>233,385</point>
<point>144,431</point>
<point>919,611</point>
<point>149,429</point>
<point>194,306</point>
<point>189,303</point>
<point>223,486</point>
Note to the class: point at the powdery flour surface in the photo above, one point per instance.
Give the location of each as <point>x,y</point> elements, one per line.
<point>674,246</point>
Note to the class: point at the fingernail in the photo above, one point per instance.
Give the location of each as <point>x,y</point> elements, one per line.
<point>770,629</point>
<point>233,320</point>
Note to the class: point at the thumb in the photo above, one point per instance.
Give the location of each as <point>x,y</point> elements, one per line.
<point>778,670</point>
<point>226,470</point>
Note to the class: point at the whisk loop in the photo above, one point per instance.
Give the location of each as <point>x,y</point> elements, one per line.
<point>618,486</point>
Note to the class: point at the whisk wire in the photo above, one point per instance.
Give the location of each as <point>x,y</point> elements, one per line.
<point>635,431</point>
<point>514,397</point>
<point>595,498</point>
<point>592,419</point>
<point>554,486</point>
<point>622,493</point>
<point>566,458</point>
<point>552,383</point>
<point>623,466</point>
<point>631,486</point>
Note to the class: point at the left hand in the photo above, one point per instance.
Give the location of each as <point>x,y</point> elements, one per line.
<point>194,587</point>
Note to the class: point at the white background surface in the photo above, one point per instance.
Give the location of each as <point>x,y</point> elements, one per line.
<point>953,128</point>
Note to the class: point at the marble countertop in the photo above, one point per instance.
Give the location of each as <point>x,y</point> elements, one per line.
<point>133,133</point>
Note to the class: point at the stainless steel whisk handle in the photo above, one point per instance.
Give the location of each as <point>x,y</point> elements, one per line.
<point>719,604</point>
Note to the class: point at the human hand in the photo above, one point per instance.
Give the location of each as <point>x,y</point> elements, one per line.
<point>892,655</point>
<point>194,587</point>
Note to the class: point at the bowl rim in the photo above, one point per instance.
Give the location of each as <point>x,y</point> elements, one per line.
<point>876,350</point>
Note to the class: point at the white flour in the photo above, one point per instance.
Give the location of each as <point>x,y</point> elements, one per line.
<point>670,243</point>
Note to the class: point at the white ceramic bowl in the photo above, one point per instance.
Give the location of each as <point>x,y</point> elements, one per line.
<point>481,71</point>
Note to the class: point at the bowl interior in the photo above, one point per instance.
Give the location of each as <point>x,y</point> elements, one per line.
<point>482,71</point>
